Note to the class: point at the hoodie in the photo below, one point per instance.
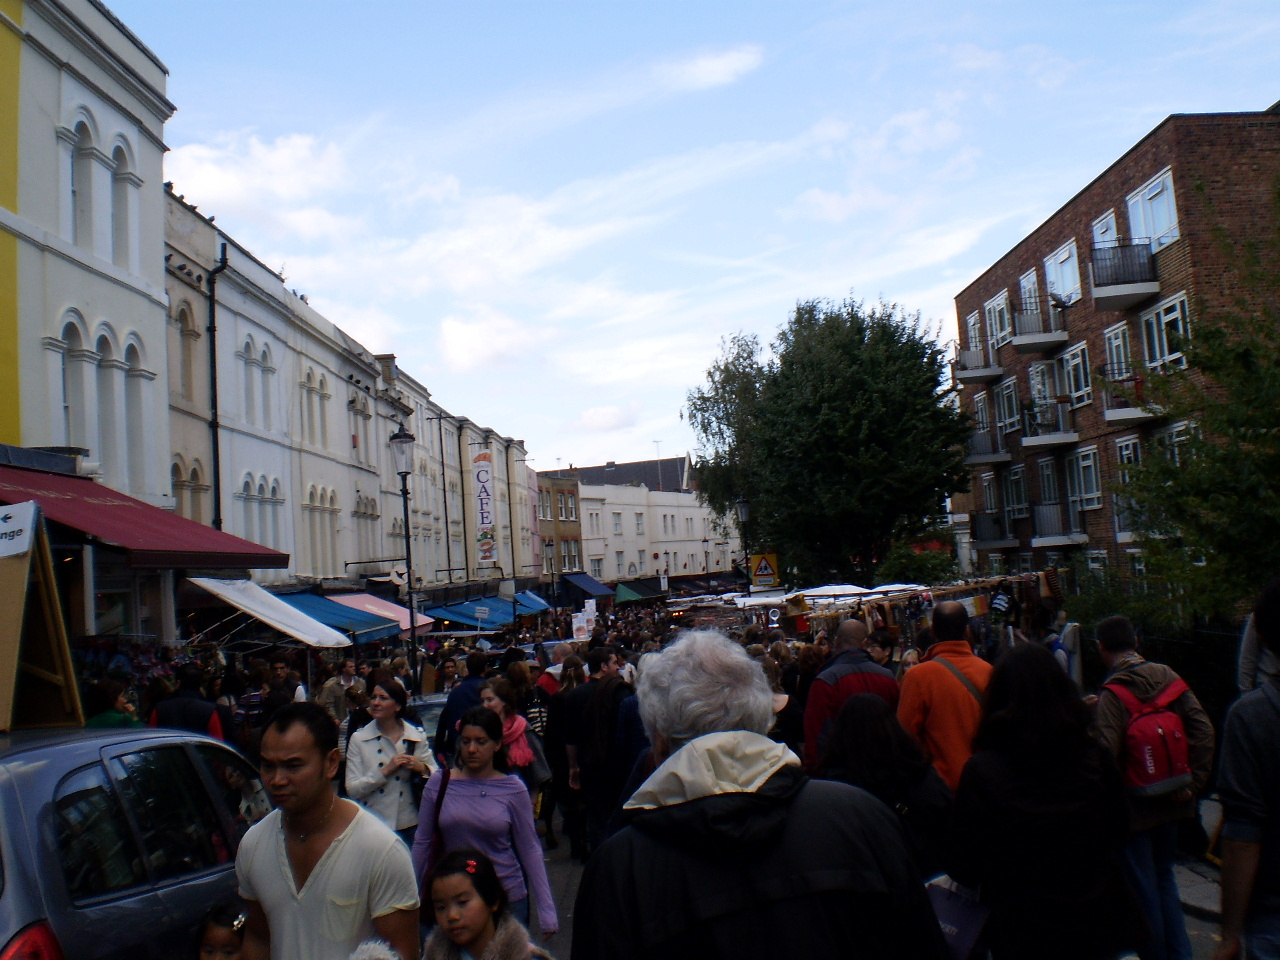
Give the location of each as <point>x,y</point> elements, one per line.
<point>729,850</point>
<point>1146,680</point>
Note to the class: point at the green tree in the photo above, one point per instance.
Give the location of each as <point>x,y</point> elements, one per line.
<point>1207,495</point>
<point>843,439</point>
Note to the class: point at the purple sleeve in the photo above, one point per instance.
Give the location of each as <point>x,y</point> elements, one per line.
<point>424,837</point>
<point>529,852</point>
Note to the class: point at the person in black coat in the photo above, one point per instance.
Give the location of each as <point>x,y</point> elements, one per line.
<point>869,748</point>
<point>1040,819</point>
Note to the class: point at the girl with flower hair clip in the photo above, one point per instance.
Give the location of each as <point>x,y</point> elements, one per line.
<point>472,919</point>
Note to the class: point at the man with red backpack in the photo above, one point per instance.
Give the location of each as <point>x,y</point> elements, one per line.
<point>1162,741</point>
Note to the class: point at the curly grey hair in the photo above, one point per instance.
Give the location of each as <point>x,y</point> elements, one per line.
<point>703,683</point>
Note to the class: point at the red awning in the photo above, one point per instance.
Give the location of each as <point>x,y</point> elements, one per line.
<point>152,537</point>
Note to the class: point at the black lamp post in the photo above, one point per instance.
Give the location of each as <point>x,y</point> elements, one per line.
<point>743,506</point>
<point>402,442</point>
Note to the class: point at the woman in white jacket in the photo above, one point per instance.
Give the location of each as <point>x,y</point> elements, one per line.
<point>385,755</point>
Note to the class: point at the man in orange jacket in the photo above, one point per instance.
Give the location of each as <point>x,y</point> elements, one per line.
<point>941,702</point>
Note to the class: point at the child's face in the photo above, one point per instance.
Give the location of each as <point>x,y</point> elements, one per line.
<point>460,912</point>
<point>219,943</point>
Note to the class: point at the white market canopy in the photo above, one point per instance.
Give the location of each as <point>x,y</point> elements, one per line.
<point>260,604</point>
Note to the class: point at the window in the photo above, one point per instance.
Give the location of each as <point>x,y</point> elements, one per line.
<point>1104,230</point>
<point>1163,330</point>
<point>1128,453</point>
<point>981,413</point>
<point>1084,483</point>
<point>1015,494</point>
<point>1022,563</point>
<point>664,524</point>
<point>989,492</point>
<point>1137,564</point>
<point>1048,481</point>
<point>1029,292</point>
<point>561,504</point>
<point>640,560</point>
<point>999,323</point>
<point>1062,272</point>
<point>564,556</point>
<point>1117,342</point>
<point>238,785</point>
<point>974,330</point>
<point>548,556</point>
<point>1007,405</point>
<point>1096,560</point>
<point>619,557</point>
<point>1075,374</point>
<point>573,507</point>
<point>575,562</point>
<point>1044,382</point>
<point>617,525</point>
<point>180,831</point>
<point>597,569</point>
<point>95,843</point>
<point>1153,213</point>
<point>1172,440</point>
<point>640,523</point>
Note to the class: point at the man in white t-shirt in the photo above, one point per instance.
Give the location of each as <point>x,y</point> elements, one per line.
<point>321,874</point>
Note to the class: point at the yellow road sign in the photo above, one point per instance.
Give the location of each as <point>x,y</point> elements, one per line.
<point>764,570</point>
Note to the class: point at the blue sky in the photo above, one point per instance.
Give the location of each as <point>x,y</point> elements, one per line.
<point>553,212</point>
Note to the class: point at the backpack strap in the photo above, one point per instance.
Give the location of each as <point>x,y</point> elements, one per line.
<point>968,684</point>
<point>1169,693</point>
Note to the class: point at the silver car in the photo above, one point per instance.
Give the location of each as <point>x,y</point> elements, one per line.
<point>114,843</point>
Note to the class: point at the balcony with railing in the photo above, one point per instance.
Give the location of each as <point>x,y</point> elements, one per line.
<point>976,365</point>
<point>1123,395</point>
<point>990,531</point>
<point>986,447</point>
<point>1123,275</point>
<point>1039,327</point>
<point>1054,527</point>
<point>1050,423</point>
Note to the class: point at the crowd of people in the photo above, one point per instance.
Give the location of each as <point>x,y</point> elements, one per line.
<point>746,795</point>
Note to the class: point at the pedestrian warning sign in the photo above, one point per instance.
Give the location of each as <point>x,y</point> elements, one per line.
<point>764,570</point>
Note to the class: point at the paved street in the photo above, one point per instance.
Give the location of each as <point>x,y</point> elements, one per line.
<point>564,873</point>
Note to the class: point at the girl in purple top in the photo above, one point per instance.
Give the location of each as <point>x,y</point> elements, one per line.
<point>489,810</point>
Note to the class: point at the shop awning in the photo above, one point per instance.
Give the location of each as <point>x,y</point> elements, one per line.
<point>587,584</point>
<point>530,602</point>
<point>464,612</point>
<point>649,588</point>
<point>258,603</point>
<point>359,626</point>
<point>383,608</point>
<point>151,537</point>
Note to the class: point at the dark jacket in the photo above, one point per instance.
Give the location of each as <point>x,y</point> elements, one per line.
<point>1249,786</point>
<point>187,710</point>
<point>796,868</point>
<point>1042,841</point>
<point>1147,679</point>
<point>461,699</point>
<point>847,673</point>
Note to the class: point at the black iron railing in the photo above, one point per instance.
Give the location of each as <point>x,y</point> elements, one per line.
<point>1122,263</point>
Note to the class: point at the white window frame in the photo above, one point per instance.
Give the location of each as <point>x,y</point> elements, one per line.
<point>988,484</point>
<point>1062,272</point>
<point>573,506</point>
<point>1128,453</point>
<point>621,557</point>
<point>973,327</point>
<point>1084,480</point>
<point>597,567</point>
<point>999,319</point>
<point>640,524</point>
<point>982,412</point>
<point>1119,356</point>
<point>1015,494</point>
<point>1153,211</point>
<point>640,556</point>
<point>1096,560</point>
<point>1008,416</point>
<point>1029,291</point>
<point>617,525</point>
<point>560,503</point>
<point>1171,439</point>
<point>1156,324</point>
<point>1074,364</point>
<point>1105,231</point>
<point>1049,492</point>
<point>1022,564</point>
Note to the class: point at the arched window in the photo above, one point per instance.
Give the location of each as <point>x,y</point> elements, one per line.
<point>267,371</point>
<point>109,426</point>
<point>264,515</point>
<point>333,534</point>
<point>323,400</point>
<point>309,408</point>
<point>313,533</point>
<point>177,484</point>
<point>121,200</point>
<point>82,187</point>
<point>246,496</point>
<point>135,385</point>
<point>73,410</point>
<point>186,354</point>
<point>247,358</point>
<point>196,495</point>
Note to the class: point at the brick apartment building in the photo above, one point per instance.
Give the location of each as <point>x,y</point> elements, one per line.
<point>1058,337</point>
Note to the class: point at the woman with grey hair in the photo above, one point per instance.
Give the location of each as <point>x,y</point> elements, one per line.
<point>736,852</point>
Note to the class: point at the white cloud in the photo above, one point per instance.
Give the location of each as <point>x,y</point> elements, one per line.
<point>238,168</point>
<point>838,207</point>
<point>486,338</point>
<point>709,69</point>
<point>607,419</point>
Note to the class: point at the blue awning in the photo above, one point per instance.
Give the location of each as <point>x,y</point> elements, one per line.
<point>464,612</point>
<point>359,626</point>
<point>530,602</point>
<point>587,584</point>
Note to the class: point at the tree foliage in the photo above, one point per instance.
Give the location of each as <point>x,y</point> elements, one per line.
<point>842,439</point>
<point>1208,506</point>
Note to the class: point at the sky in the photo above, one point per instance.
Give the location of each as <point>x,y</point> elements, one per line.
<point>553,213</point>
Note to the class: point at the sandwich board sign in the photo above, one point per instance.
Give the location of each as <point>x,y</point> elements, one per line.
<point>37,678</point>
<point>764,570</point>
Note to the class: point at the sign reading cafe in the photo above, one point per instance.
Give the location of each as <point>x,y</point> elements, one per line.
<point>486,529</point>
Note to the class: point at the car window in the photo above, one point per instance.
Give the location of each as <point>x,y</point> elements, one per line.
<point>180,829</point>
<point>98,851</point>
<point>238,785</point>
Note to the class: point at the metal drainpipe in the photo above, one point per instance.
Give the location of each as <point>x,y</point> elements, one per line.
<point>444,479</point>
<point>214,425</point>
<point>462,487</point>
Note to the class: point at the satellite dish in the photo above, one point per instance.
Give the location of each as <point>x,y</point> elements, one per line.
<point>399,576</point>
<point>1059,300</point>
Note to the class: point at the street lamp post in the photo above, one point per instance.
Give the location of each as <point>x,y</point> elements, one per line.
<point>744,514</point>
<point>402,442</point>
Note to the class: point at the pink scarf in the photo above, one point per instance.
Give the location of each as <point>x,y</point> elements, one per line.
<point>519,753</point>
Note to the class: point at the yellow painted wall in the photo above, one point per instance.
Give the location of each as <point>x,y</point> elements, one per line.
<point>10,77</point>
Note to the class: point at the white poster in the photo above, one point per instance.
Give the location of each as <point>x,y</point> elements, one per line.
<point>580,631</point>
<point>16,525</point>
<point>486,529</point>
